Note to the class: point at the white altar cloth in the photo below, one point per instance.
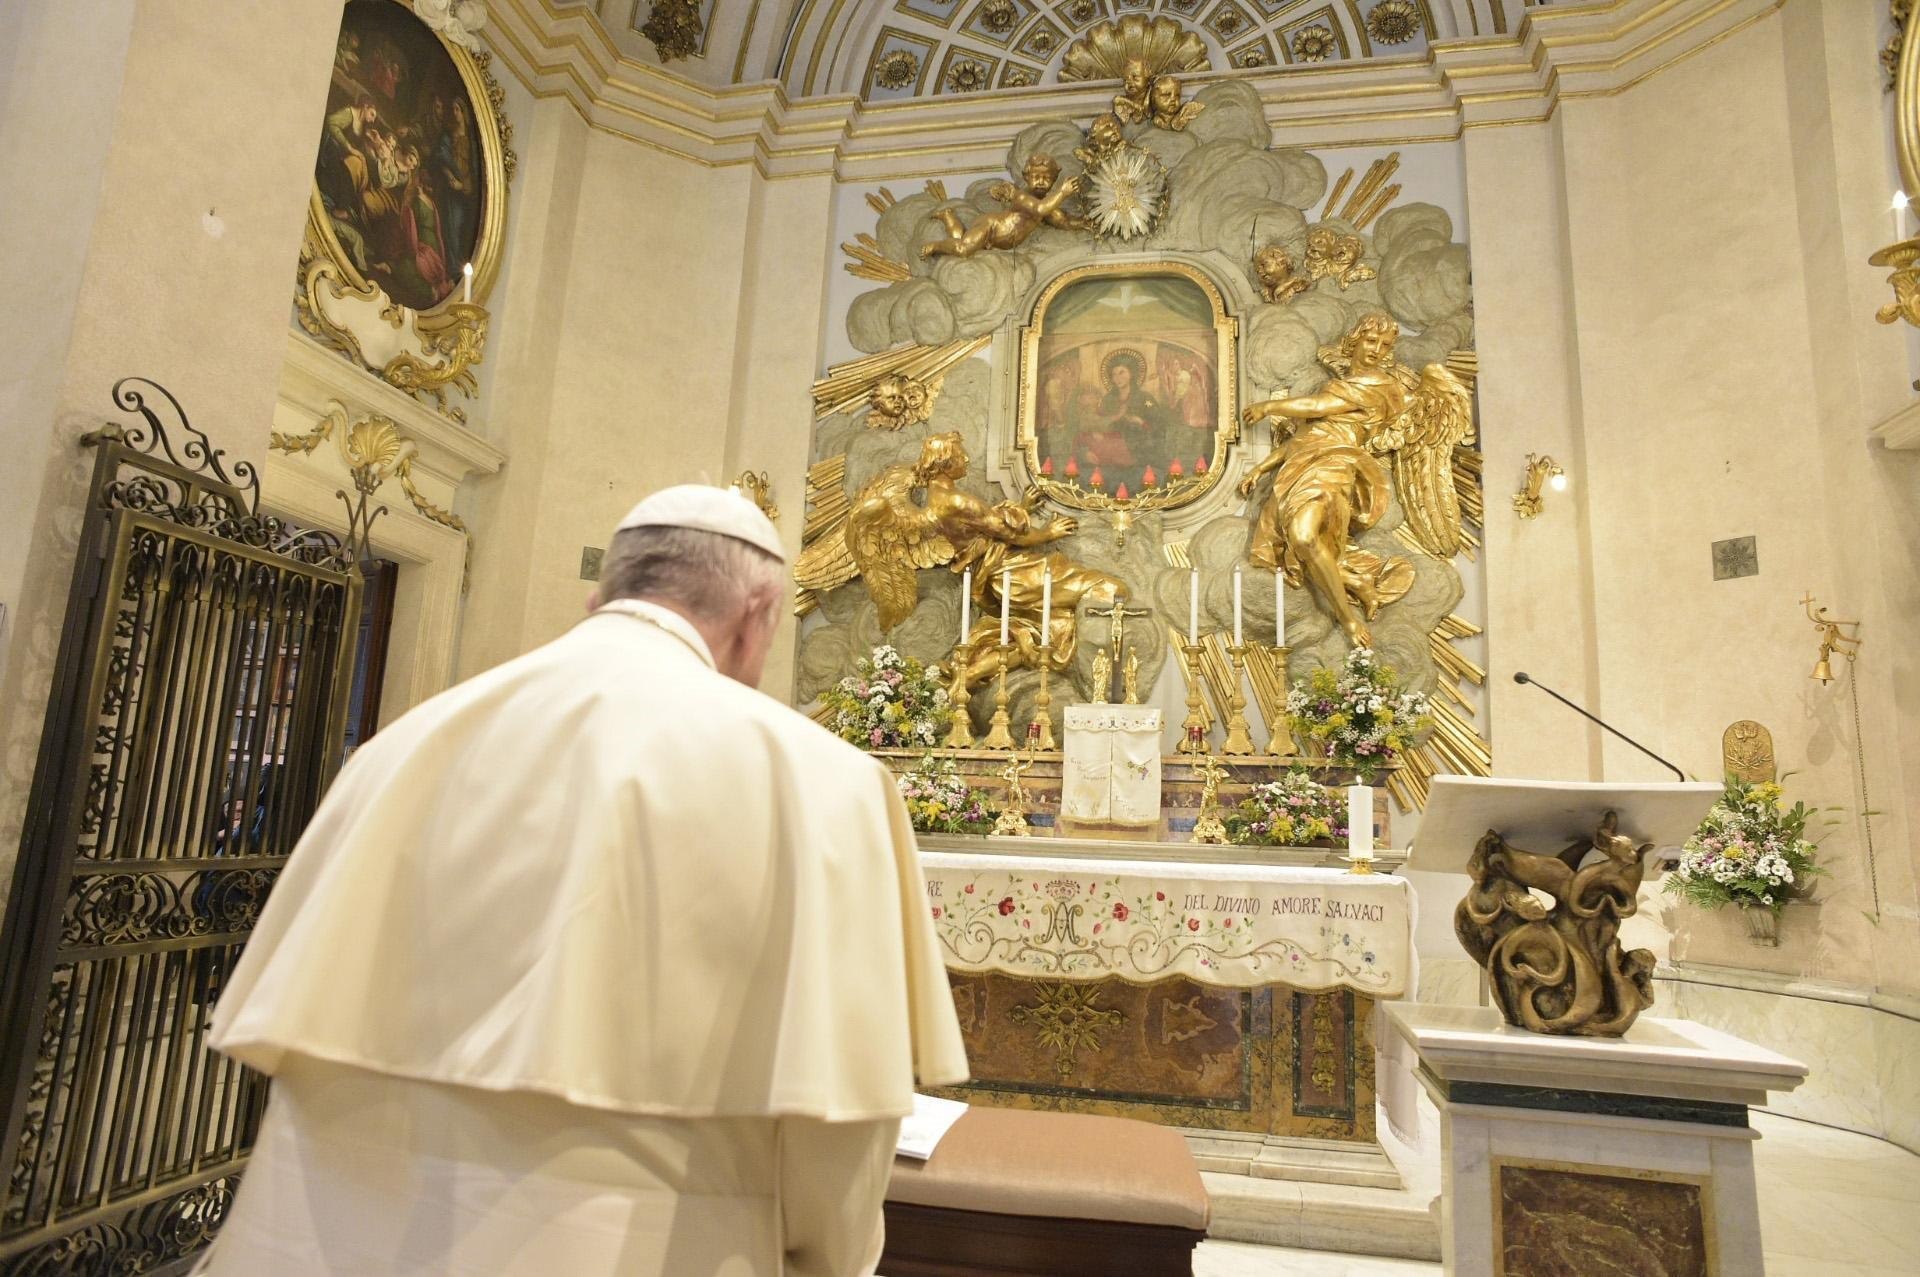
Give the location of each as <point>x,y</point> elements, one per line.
<point>1235,925</point>
<point>1110,766</point>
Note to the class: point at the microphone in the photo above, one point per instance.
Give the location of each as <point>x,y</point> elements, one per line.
<point>1525,678</point>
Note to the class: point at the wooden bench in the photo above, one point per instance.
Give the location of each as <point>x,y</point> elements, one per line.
<point>1046,1195</point>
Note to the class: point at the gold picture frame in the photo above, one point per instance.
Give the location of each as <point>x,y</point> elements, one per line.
<point>1039,358</point>
<point>483,98</point>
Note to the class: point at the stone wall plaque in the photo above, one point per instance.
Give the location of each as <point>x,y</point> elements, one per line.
<point>1555,1219</point>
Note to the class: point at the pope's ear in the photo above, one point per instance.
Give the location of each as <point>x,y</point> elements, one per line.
<point>593,600</point>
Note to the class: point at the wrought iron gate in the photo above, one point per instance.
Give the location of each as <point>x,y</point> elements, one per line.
<point>195,718</point>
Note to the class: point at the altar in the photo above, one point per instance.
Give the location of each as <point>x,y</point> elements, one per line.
<point>1235,1000</point>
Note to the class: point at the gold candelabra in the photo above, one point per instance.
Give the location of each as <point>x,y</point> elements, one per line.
<point>1000,728</point>
<point>1040,730</point>
<point>1279,735</point>
<point>1239,735</point>
<point>1904,279</point>
<point>960,735</point>
<point>1193,732</point>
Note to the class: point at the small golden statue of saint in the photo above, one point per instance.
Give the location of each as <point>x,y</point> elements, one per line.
<point>1102,676</point>
<point>1012,820</point>
<point>1209,828</point>
<point>1273,266</point>
<point>1130,677</point>
<point>1042,200</point>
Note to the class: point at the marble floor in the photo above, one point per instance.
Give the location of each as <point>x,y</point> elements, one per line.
<point>1831,1203</point>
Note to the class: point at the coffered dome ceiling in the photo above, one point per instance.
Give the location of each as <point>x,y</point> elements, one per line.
<point>895,50</point>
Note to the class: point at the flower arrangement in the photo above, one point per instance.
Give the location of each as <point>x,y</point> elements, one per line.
<point>891,702</point>
<point>1747,851</point>
<point>1293,811</point>
<point>941,802</point>
<point>1359,714</point>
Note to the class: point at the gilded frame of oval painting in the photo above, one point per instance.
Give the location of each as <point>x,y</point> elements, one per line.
<point>1177,365</point>
<point>481,97</point>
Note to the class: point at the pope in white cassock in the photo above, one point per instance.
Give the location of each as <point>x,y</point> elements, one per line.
<point>600,963</point>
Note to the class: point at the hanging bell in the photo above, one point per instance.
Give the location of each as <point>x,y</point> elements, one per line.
<point>1823,668</point>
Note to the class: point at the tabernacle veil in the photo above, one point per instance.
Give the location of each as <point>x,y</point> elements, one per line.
<point>606,872</point>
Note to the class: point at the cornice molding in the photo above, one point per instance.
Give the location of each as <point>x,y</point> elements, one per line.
<point>1556,55</point>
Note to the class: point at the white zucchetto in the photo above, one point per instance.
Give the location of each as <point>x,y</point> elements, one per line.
<point>727,512</point>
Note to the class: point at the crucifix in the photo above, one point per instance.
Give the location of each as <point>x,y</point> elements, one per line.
<point>1117,641</point>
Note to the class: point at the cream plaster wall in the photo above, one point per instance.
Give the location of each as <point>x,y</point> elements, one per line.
<point>150,227</point>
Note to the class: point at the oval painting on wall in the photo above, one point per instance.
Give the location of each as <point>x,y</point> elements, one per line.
<point>400,176</point>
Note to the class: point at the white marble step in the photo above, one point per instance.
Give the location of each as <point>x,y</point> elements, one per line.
<point>1318,1161</point>
<point>1395,1222</point>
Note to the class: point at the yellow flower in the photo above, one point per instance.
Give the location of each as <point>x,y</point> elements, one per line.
<point>1384,717</point>
<point>1767,792</point>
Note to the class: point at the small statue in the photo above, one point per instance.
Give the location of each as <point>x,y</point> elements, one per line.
<point>1273,265</point>
<point>1012,820</point>
<point>1333,255</point>
<point>1103,140</point>
<point>1041,201</point>
<point>758,489</point>
<point>1131,104</point>
<point>1102,676</point>
<point>1209,828</point>
<point>1558,969</point>
<point>1166,109</point>
<point>1130,677</point>
<point>898,400</point>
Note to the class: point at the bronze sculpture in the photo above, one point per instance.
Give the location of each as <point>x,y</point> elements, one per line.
<point>1273,266</point>
<point>1558,969</point>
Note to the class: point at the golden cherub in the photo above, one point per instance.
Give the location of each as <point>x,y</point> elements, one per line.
<point>887,537</point>
<point>1131,104</point>
<point>898,400</point>
<point>1328,488</point>
<point>1041,201</point>
<point>1165,108</point>
<point>1103,139</point>
<point>1333,255</point>
<point>1273,265</point>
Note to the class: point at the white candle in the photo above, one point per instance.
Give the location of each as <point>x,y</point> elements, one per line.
<point>1046,606</point>
<point>1360,822</point>
<point>466,286</point>
<point>1236,608</point>
<point>1193,608</point>
<point>1899,215</point>
<point>1006,594</point>
<point>966,605</point>
<point>1279,610</point>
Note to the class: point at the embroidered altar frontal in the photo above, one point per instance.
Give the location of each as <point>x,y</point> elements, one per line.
<point>1218,997</point>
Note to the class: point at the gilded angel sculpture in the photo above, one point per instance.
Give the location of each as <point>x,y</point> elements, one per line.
<point>1165,108</point>
<point>1132,104</point>
<point>1041,201</point>
<point>888,537</point>
<point>1328,485</point>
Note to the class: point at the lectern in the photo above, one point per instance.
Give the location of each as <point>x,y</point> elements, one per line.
<point>1570,1123</point>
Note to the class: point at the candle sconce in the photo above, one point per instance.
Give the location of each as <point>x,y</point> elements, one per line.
<point>1832,639</point>
<point>1542,472</point>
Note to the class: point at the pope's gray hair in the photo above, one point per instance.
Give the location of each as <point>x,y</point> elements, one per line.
<point>706,574</point>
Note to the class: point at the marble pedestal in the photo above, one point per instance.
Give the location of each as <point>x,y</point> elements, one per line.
<point>1569,1155</point>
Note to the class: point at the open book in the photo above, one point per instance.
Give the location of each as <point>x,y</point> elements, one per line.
<point>929,1123</point>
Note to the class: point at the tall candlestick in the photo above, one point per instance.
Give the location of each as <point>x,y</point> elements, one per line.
<point>1236,608</point>
<point>1279,609</point>
<point>466,286</point>
<point>1046,606</point>
<point>1359,822</point>
<point>1006,594</point>
<point>1193,608</point>
<point>966,604</point>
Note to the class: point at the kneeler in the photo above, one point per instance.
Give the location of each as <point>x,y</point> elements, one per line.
<point>1046,1195</point>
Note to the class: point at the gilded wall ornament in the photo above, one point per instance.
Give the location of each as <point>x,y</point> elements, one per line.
<point>1252,57</point>
<point>1165,108</point>
<point>674,29</point>
<point>1066,1019</point>
<point>1104,138</point>
<point>1314,44</point>
<point>1393,22</point>
<point>1042,200</point>
<point>1331,255</point>
<point>1327,488</point>
<point>965,75</point>
<point>1746,752</point>
<point>999,16</point>
<point>1081,12</point>
<point>1273,266</point>
<point>896,70</point>
<point>1227,22</point>
<point>1559,968</point>
<point>898,400</point>
<point>757,488</point>
<point>1128,192</point>
<point>1159,44</point>
<point>1016,76</point>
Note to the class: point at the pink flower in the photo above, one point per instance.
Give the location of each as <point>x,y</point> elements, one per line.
<point>1159,895</point>
<point>1006,906</point>
<point>1096,928</point>
<point>1193,924</point>
<point>969,888</point>
<point>936,911</point>
<point>1119,911</point>
<point>1027,923</point>
<point>1228,923</point>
